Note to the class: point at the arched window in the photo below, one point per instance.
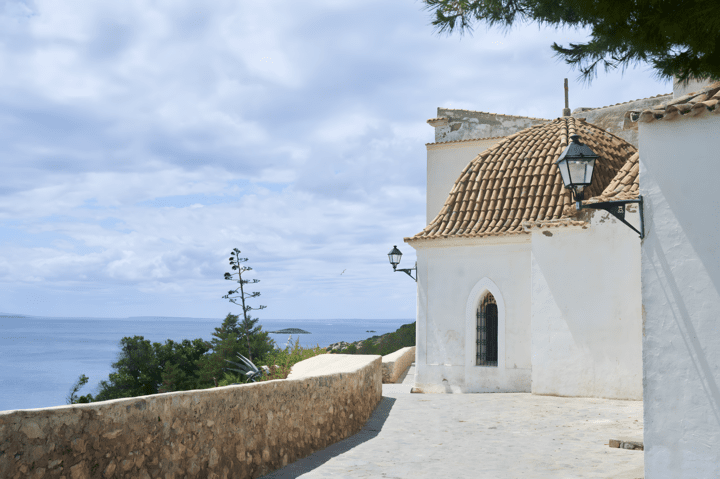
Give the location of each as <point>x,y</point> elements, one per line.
<point>487,332</point>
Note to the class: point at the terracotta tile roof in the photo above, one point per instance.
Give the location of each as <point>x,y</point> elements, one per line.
<point>700,102</point>
<point>516,181</point>
<point>469,139</point>
<point>625,185</point>
<point>433,120</point>
<point>583,110</point>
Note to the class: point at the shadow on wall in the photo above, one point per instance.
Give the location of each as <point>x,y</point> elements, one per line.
<point>371,429</point>
<point>693,208</point>
<point>687,330</point>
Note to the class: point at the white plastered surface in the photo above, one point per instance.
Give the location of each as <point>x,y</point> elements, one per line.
<point>325,364</point>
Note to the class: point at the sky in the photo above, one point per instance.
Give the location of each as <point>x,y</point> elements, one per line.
<point>140,142</point>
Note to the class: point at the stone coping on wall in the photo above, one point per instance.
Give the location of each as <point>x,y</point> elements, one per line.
<point>325,364</point>
<point>238,431</point>
<point>395,364</point>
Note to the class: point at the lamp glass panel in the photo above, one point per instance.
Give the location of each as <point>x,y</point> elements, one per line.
<point>578,172</point>
<point>589,171</point>
<point>563,167</point>
<point>395,258</point>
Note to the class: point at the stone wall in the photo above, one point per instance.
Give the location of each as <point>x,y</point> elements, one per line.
<point>395,364</point>
<point>457,125</point>
<point>237,431</point>
<point>613,118</point>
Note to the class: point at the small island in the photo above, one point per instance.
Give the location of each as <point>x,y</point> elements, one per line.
<point>290,331</point>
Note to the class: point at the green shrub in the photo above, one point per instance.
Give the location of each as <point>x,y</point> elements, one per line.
<point>231,378</point>
<point>385,344</point>
<point>286,358</point>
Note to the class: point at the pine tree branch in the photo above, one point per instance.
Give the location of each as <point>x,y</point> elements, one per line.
<point>678,38</point>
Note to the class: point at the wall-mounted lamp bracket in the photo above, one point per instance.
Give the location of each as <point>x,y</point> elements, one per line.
<point>576,165</point>
<point>408,271</point>
<point>617,209</point>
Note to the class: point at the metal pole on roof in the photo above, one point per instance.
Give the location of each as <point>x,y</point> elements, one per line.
<point>566,110</point>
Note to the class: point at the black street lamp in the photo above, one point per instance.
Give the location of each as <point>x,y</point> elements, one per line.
<point>394,256</point>
<point>576,165</point>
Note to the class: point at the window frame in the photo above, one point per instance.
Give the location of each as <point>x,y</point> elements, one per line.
<point>484,337</point>
<point>478,291</point>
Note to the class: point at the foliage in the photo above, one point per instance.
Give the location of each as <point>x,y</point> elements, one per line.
<point>179,360</point>
<point>281,361</point>
<point>143,368</point>
<point>677,37</point>
<point>231,378</point>
<point>352,349</point>
<point>73,398</point>
<point>248,369</point>
<point>248,321</point>
<point>227,343</point>
<point>138,371</point>
<point>385,344</point>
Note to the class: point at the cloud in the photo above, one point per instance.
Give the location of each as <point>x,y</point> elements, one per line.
<point>141,142</point>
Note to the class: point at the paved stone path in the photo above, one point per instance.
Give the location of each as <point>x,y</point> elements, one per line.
<point>483,436</point>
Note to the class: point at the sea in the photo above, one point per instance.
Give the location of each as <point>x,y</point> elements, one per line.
<point>41,358</point>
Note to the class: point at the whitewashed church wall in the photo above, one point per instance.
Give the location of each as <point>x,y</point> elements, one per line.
<point>445,352</point>
<point>586,309</point>
<point>421,309</point>
<point>679,172</point>
<point>445,162</point>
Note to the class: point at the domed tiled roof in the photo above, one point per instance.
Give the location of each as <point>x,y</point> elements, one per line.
<point>517,181</point>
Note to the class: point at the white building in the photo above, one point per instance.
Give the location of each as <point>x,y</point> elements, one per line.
<point>680,167</point>
<point>517,291</point>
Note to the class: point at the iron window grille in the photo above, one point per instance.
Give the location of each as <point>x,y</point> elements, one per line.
<point>487,332</point>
